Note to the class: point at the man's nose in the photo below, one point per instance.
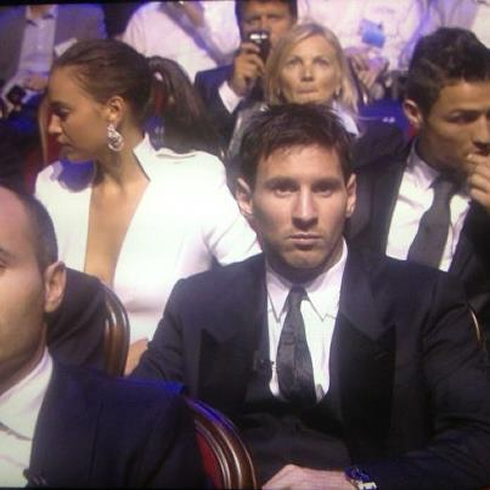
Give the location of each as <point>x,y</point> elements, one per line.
<point>305,211</point>
<point>265,24</point>
<point>482,135</point>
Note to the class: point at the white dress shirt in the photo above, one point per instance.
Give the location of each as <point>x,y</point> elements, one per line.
<point>319,312</point>
<point>19,410</point>
<point>481,24</point>
<point>185,219</point>
<point>414,199</point>
<point>159,28</point>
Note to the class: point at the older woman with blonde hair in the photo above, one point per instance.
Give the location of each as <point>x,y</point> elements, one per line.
<point>325,58</point>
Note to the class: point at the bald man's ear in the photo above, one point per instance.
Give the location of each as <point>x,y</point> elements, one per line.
<point>54,286</point>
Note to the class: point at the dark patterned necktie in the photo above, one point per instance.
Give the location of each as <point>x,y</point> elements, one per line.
<point>294,366</point>
<point>428,245</point>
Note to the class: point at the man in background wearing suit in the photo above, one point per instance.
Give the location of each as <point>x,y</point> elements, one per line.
<point>65,427</point>
<point>31,36</point>
<point>227,89</point>
<point>432,206</point>
<point>342,369</point>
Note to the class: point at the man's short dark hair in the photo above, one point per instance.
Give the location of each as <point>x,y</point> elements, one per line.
<point>240,5</point>
<point>45,244</point>
<point>293,125</point>
<point>447,56</point>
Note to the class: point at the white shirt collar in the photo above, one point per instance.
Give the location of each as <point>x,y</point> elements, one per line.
<point>323,292</point>
<point>151,159</point>
<point>20,405</point>
<point>422,174</point>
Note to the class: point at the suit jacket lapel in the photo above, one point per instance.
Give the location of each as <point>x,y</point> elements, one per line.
<point>229,346</point>
<point>362,366</point>
<point>376,198</point>
<point>474,240</point>
<point>65,433</point>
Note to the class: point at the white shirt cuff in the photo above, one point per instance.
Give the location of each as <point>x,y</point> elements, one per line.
<point>229,98</point>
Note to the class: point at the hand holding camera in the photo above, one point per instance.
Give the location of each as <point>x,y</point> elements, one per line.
<point>249,63</point>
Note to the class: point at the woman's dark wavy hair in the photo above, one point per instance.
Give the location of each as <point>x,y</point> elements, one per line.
<point>447,56</point>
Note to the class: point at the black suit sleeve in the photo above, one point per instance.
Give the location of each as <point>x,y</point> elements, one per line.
<point>75,331</point>
<point>456,374</point>
<point>171,457</point>
<point>207,84</point>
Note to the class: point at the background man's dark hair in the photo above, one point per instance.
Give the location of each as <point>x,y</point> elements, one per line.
<point>293,125</point>
<point>240,5</point>
<point>448,55</point>
<point>42,227</point>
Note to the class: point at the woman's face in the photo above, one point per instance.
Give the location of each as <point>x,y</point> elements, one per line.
<point>78,121</point>
<point>310,72</point>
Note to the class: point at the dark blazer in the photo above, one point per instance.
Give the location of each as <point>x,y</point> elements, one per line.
<point>377,191</point>
<point>74,21</point>
<point>98,432</point>
<point>75,331</point>
<point>10,159</point>
<point>207,84</point>
<point>414,386</point>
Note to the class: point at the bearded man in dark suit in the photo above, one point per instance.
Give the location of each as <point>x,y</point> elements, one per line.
<point>342,369</point>
<point>440,186</point>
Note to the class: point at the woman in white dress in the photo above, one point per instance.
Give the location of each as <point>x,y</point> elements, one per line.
<point>137,218</point>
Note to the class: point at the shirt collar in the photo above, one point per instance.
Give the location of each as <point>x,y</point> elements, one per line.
<point>323,292</point>
<point>20,405</point>
<point>151,159</point>
<point>421,173</point>
<point>348,121</point>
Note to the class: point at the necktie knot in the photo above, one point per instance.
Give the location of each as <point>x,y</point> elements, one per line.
<point>444,189</point>
<point>295,296</point>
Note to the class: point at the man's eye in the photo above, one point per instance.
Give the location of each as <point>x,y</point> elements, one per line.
<point>282,189</point>
<point>463,118</point>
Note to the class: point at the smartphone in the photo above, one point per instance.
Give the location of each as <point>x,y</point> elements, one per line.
<point>16,95</point>
<point>262,40</point>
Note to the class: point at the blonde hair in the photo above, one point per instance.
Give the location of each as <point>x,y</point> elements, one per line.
<point>347,96</point>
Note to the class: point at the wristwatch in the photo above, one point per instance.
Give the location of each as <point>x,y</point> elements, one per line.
<point>360,479</point>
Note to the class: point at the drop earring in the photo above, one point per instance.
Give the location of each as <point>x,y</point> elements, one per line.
<point>115,140</point>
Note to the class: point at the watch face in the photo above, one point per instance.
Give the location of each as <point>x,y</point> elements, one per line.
<point>360,479</point>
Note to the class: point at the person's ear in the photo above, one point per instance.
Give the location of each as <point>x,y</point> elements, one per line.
<point>243,195</point>
<point>115,109</point>
<point>351,196</point>
<point>413,113</point>
<point>54,286</point>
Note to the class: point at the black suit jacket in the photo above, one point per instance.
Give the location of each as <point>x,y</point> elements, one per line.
<point>377,190</point>
<point>93,431</point>
<point>75,331</point>
<point>414,386</point>
<point>207,84</point>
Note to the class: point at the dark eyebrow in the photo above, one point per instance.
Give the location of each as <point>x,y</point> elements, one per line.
<point>279,179</point>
